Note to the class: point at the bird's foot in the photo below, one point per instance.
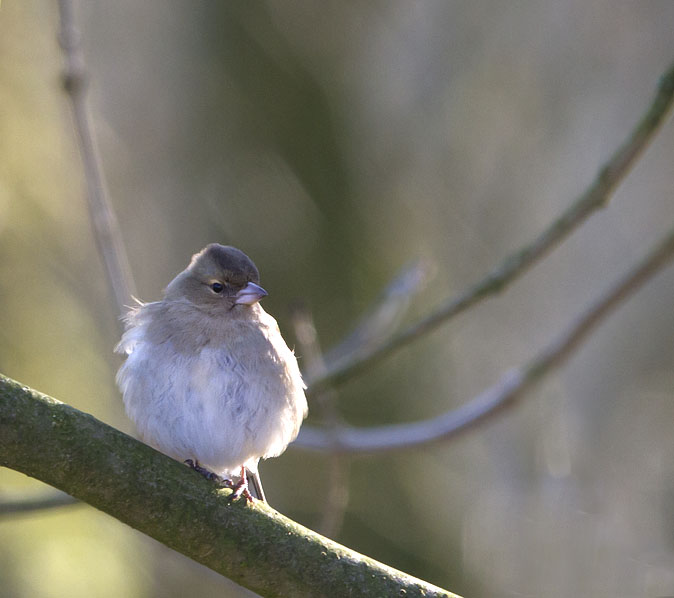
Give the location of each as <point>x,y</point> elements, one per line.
<point>241,489</point>
<point>209,475</point>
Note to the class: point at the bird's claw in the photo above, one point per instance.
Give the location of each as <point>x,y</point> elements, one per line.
<point>241,490</point>
<point>209,475</point>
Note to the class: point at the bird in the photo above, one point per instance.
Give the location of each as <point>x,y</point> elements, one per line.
<point>208,379</point>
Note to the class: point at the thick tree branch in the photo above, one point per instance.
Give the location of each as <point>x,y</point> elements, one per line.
<point>251,544</point>
<point>512,386</point>
<point>515,265</point>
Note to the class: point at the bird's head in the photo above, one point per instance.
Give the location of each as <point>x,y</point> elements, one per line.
<point>219,277</point>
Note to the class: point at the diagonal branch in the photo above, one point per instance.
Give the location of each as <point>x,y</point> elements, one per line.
<point>512,386</point>
<point>514,266</point>
<point>103,220</point>
<point>45,500</point>
<point>381,321</point>
<point>254,545</point>
<point>104,223</point>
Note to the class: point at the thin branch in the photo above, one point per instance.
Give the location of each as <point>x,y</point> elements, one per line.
<point>514,266</point>
<point>252,544</point>
<point>512,386</point>
<point>337,493</point>
<point>380,322</point>
<point>104,223</point>
<point>103,220</point>
<point>28,504</point>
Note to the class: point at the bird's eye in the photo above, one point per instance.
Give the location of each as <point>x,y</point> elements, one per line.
<point>217,287</point>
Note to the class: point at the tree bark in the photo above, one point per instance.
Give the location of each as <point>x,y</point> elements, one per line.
<point>251,544</point>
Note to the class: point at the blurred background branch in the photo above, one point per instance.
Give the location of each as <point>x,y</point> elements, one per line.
<point>506,391</point>
<point>377,324</point>
<point>103,220</point>
<point>20,504</point>
<point>362,356</point>
<point>381,321</point>
<point>102,217</point>
<point>325,403</point>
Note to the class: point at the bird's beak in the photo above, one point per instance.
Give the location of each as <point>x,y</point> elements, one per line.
<point>250,294</point>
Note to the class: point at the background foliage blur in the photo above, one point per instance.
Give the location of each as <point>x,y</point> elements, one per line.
<point>336,142</point>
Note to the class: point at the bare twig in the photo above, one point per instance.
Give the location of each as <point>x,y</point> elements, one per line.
<point>514,266</point>
<point>28,504</point>
<point>103,220</point>
<point>380,322</point>
<point>312,358</point>
<point>513,385</point>
<point>337,493</point>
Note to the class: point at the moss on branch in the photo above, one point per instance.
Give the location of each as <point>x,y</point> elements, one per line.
<point>251,544</point>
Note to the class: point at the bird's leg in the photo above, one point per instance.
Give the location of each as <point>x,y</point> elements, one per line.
<point>241,488</point>
<point>209,475</point>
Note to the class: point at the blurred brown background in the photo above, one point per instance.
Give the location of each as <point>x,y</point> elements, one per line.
<point>335,142</point>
